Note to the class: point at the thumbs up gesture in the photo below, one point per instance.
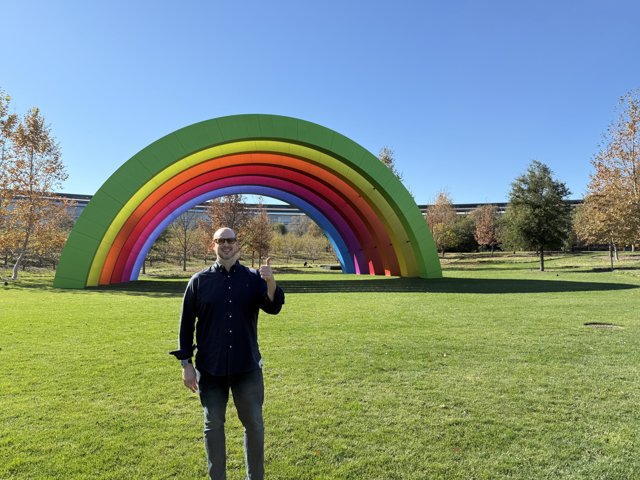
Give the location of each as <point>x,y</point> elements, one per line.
<point>265,271</point>
<point>267,275</point>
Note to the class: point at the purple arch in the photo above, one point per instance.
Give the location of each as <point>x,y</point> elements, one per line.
<point>348,262</point>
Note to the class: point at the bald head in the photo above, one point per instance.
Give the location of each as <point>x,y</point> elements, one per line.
<point>224,232</point>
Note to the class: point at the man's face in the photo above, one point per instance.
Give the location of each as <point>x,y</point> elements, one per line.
<point>225,244</point>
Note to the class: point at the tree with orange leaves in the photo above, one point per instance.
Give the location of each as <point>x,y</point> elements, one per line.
<point>611,210</point>
<point>32,170</point>
<point>485,218</point>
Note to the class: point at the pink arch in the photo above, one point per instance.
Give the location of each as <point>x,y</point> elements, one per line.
<point>368,240</point>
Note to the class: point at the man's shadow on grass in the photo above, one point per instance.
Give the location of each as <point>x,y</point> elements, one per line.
<point>173,288</point>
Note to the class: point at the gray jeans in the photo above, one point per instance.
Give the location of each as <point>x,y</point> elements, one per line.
<point>248,397</point>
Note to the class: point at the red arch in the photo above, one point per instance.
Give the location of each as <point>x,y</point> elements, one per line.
<point>343,197</point>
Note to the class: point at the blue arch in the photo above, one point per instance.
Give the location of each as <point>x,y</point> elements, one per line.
<point>336,240</point>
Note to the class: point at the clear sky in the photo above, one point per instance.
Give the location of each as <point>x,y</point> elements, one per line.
<point>466,93</point>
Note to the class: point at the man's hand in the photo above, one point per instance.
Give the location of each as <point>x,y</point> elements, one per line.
<point>189,378</point>
<point>265,271</point>
<point>267,275</point>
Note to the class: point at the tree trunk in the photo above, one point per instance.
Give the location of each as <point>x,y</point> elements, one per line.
<point>144,266</point>
<point>23,250</point>
<point>611,255</point>
<point>615,251</point>
<point>542,259</point>
<point>16,266</point>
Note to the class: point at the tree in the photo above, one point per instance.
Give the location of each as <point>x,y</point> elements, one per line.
<point>441,218</point>
<point>572,239</point>
<point>229,211</point>
<point>299,225</point>
<point>387,156</point>
<point>8,123</point>
<point>463,233</point>
<point>611,210</point>
<point>202,244</point>
<point>279,228</point>
<point>259,234</point>
<point>182,233</point>
<point>287,245</point>
<point>485,232</point>
<point>53,231</point>
<point>313,247</point>
<point>32,171</point>
<point>537,216</point>
<point>48,233</point>
<point>315,230</point>
<point>159,251</point>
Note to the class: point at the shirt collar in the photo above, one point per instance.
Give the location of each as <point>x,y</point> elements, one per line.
<point>218,267</point>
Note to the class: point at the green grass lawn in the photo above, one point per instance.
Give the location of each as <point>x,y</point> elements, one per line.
<point>487,373</point>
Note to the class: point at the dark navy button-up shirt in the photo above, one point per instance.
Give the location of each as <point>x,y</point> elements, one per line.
<point>226,306</point>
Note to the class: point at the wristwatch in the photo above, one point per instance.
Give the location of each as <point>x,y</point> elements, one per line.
<point>185,362</point>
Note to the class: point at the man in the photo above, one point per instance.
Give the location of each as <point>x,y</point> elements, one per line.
<point>226,298</point>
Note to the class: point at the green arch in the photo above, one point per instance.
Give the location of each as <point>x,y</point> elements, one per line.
<point>115,202</point>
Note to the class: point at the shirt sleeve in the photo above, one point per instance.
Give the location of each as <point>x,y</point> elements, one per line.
<point>278,300</point>
<point>187,322</point>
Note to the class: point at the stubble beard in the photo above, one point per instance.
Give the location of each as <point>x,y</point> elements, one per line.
<point>228,256</point>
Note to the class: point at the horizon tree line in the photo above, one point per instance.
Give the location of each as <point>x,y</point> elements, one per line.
<point>34,222</point>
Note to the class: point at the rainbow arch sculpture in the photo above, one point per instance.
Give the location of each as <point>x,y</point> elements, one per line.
<point>370,218</point>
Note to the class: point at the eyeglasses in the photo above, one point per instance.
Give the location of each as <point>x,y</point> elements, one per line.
<point>228,241</point>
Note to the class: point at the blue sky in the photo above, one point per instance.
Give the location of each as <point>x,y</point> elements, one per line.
<point>466,93</point>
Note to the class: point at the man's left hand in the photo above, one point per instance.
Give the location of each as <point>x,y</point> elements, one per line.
<point>266,273</point>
